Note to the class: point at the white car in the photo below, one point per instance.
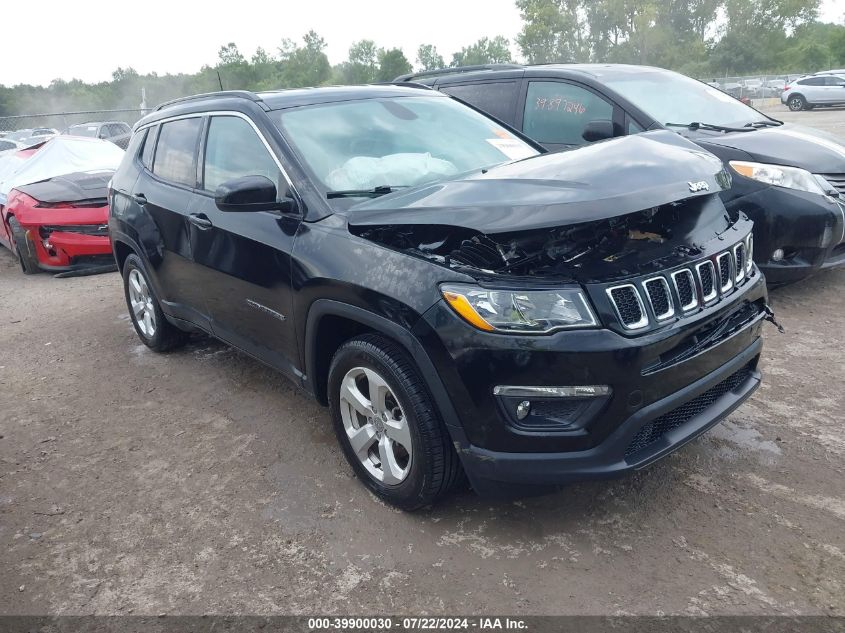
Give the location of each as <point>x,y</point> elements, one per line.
<point>816,90</point>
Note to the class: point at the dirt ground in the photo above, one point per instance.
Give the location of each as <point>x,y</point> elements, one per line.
<point>202,482</point>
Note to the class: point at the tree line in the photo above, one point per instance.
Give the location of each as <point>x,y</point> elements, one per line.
<point>701,38</point>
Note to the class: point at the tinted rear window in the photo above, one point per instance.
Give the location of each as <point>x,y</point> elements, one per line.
<point>496,98</point>
<point>175,151</point>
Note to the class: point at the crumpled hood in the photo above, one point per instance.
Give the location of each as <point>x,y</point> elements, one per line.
<point>793,145</point>
<point>603,180</point>
<point>76,187</point>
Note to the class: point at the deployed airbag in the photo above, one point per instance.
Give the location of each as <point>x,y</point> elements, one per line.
<point>366,172</point>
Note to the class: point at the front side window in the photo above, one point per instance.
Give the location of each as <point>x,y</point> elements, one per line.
<point>834,81</point>
<point>233,150</point>
<point>174,156</point>
<point>395,141</point>
<point>558,113</point>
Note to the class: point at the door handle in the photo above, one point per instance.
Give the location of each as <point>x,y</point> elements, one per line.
<point>140,198</point>
<point>200,221</point>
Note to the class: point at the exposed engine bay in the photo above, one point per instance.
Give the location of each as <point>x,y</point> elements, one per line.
<point>636,243</point>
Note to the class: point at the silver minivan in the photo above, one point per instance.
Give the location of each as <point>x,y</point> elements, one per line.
<point>816,90</point>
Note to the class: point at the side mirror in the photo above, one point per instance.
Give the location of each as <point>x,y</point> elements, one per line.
<point>598,131</point>
<point>250,193</point>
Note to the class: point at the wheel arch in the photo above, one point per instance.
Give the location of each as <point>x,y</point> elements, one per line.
<point>330,323</point>
<point>121,250</point>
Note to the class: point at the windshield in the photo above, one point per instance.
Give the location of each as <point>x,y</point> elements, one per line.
<point>395,142</point>
<point>673,98</point>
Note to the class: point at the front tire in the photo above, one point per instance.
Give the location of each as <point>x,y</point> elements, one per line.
<point>154,330</point>
<point>388,425</point>
<point>796,103</point>
<point>23,248</point>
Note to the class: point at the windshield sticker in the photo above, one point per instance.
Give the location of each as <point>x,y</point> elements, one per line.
<point>559,104</point>
<point>512,148</point>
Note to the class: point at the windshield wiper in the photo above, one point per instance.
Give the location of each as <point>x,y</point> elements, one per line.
<point>766,123</point>
<point>697,125</point>
<point>375,192</point>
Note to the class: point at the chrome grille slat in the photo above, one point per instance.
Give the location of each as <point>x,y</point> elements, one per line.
<point>686,289</point>
<point>629,306</point>
<point>660,298</point>
<point>724,263</point>
<point>739,258</point>
<point>707,281</point>
<point>837,180</point>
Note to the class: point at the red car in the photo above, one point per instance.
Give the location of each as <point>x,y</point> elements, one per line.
<point>54,205</point>
<point>59,224</point>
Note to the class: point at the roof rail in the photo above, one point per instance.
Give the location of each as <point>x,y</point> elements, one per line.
<point>455,69</point>
<point>404,84</point>
<point>240,94</point>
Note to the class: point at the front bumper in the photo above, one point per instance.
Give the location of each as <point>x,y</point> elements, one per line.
<point>669,423</point>
<point>809,228</point>
<point>649,375</point>
<point>70,251</point>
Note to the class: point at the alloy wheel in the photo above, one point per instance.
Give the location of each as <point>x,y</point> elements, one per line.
<point>376,425</point>
<point>141,300</point>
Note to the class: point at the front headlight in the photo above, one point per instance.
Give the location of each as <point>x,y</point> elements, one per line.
<point>779,175</point>
<point>520,311</point>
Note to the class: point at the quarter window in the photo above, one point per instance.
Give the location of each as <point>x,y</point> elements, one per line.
<point>174,157</point>
<point>495,98</point>
<point>149,147</point>
<point>234,150</point>
<point>558,112</point>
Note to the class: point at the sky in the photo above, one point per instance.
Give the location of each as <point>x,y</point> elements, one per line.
<point>88,39</point>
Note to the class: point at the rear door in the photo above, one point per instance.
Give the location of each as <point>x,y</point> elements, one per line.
<point>556,112</point>
<point>813,89</point>
<point>498,98</point>
<point>163,194</point>
<point>244,258</point>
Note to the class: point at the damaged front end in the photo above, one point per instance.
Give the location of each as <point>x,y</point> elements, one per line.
<point>588,252</point>
<point>66,222</point>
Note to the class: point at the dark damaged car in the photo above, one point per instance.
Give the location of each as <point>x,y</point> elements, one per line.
<point>460,300</point>
<point>788,179</point>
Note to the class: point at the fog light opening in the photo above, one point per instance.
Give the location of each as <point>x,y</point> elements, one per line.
<point>777,255</point>
<point>523,409</point>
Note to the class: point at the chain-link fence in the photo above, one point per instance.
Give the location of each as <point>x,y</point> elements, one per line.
<point>753,87</point>
<point>28,129</point>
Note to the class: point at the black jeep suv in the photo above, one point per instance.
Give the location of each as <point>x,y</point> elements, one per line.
<point>459,299</point>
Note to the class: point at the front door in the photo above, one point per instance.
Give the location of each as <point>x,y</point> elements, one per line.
<point>556,113</point>
<point>244,258</point>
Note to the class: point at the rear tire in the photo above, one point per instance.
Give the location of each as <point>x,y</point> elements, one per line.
<point>379,403</point>
<point>152,327</point>
<point>796,103</point>
<point>23,248</point>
